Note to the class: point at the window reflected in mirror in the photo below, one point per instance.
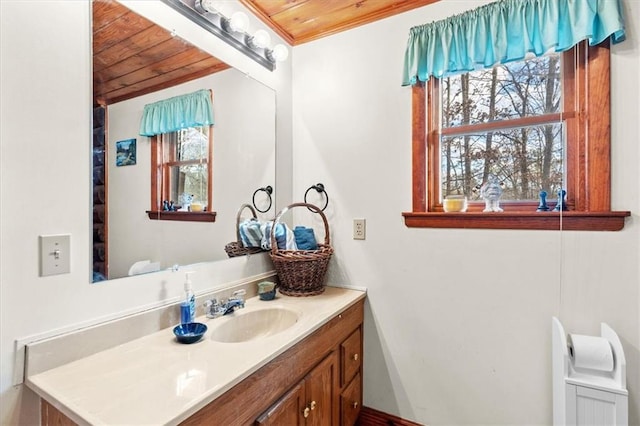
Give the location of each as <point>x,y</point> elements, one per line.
<point>184,163</point>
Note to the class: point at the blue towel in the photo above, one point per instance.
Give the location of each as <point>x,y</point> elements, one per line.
<point>250,233</point>
<point>285,239</point>
<point>305,238</point>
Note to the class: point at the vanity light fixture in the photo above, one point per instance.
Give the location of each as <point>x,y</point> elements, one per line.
<point>216,17</point>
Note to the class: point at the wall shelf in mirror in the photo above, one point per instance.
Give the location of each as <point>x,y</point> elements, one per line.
<point>182,216</point>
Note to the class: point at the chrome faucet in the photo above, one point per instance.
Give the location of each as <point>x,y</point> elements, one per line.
<point>215,309</point>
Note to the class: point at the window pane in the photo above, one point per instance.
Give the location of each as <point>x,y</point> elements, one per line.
<point>193,144</point>
<point>191,179</point>
<point>519,89</point>
<point>525,161</point>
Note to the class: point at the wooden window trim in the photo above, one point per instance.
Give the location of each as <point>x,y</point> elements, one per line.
<point>588,158</point>
<point>157,175</point>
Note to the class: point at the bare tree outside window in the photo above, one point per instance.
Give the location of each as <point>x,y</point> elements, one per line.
<point>186,160</point>
<point>489,126</point>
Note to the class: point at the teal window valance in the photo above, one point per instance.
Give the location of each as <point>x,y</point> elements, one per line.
<point>180,112</point>
<point>507,31</point>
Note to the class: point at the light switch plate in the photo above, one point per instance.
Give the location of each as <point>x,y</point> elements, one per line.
<point>55,254</point>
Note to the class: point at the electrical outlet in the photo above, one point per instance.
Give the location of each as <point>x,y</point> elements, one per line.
<point>359,229</point>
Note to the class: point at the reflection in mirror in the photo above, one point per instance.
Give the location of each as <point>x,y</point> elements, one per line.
<point>124,46</point>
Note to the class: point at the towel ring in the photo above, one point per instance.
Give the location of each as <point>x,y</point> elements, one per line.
<point>320,189</point>
<point>269,190</point>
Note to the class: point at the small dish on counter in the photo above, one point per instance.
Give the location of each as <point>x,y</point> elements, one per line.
<point>189,332</point>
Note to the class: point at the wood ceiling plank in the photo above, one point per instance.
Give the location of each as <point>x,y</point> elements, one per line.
<point>333,16</point>
<point>192,72</point>
<point>302,21</point>
<point>144,40</point>
<point>119,30</point>
<point>180,61</point>
<point>273,7</point>
<point>143,59</point>
<point>105,12</point>
<point>310,17</point>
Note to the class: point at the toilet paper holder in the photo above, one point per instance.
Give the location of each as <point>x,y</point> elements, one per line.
<point>574,386</point>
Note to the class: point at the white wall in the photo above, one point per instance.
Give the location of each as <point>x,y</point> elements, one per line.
<point>244,137</point>
<point>45,82</point>
<point>458,325</point>
<point>473,347</point>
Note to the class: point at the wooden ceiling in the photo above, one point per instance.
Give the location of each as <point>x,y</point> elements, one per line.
<point>132,56</point>
<point>301,21</point>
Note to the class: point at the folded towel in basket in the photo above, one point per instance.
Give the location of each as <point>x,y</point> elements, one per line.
<point>285,238</point>
<point>305,238</point>
<point>250,233</point>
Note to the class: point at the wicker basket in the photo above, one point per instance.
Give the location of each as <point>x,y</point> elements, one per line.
<point>236,248</point>
<point>301,272</point>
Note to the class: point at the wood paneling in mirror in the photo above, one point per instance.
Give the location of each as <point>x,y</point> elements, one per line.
<point>132,56</point>
<point>300,21</point>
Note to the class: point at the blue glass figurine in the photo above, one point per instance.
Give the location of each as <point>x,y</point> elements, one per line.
<point>561,205</point>
<point>542,207</point>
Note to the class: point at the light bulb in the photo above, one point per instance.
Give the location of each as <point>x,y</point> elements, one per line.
<point>261,39</point>
<point>239,22</point>
<point>208,5</point>
<point>280,53</point>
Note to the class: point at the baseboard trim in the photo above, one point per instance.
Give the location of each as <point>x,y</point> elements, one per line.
<point>370,417</point>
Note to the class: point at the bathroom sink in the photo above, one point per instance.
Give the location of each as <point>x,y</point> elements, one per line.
<point>244,326</point>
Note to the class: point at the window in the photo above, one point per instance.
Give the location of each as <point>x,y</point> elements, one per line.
<point>548,129</point>
<point>503,122</point>
<point>181,169</point>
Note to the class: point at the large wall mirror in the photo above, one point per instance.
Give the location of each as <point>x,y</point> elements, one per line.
<point>136,62</point>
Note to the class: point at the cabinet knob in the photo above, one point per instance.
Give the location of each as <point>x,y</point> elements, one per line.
<point>355,357</point>
<point>313,405</point>
<point>306,411</point>
<point>354,404</point>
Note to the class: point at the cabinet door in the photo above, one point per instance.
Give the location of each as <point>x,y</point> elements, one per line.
<point>321,386</point>
<point>288,410</point>
<point>350,356</point>
<point>351,401</point>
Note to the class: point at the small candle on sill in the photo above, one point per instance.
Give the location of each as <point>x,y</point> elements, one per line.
<point>455,203</point>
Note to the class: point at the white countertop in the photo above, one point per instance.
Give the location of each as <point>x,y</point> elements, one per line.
<point>156,380</point>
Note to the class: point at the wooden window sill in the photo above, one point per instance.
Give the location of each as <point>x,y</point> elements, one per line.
<point>570,221</point>
<point>182,216</point>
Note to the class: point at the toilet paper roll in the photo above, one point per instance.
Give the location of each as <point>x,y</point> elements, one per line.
<point>593,353</point>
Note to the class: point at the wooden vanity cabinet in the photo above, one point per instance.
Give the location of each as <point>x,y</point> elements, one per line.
<point>312,402</point>
<point>351,378</point>
<point>316,382</point>
<point>324,368</point>
<point>288,410</point>
<point>331,394</point>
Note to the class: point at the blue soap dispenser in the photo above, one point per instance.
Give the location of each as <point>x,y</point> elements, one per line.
<point>188,307</point>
